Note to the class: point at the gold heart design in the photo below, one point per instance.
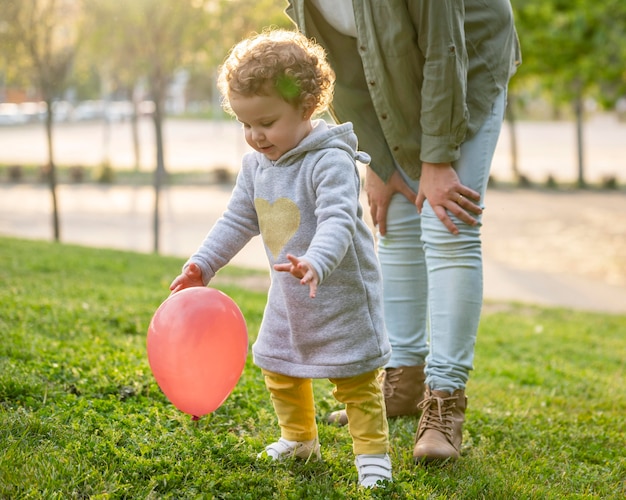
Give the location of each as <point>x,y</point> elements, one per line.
<point>278,222</point>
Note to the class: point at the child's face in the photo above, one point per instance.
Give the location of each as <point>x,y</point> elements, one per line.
<point>271,125</point>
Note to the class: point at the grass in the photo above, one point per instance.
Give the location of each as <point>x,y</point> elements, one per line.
<point>106,175</point>
<point>82,417</point>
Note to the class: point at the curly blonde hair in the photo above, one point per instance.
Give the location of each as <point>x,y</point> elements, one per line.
<point>281,61</point>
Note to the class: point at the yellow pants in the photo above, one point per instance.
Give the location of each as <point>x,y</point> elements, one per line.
<point>365,405</point>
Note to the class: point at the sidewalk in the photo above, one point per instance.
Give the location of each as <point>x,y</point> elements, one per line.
<point>556,248</point>
<point>540,247</point>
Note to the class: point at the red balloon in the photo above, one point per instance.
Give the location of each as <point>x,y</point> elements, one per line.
<point>197,347</point>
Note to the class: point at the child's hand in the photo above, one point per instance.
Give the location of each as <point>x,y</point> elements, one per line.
<point>302,270</point>
<point>192,276</point>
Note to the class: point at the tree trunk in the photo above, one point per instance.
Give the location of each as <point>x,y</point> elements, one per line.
<point>106,138</point>
<point>51,172</point>
<point>134,126</point>
<point>512,119</point>
<point>159,173</point>
<point>578,109</point>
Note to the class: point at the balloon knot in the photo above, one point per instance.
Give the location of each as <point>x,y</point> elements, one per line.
<point>195,418</point>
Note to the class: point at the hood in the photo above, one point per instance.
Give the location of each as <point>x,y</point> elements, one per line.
<point>325,135</point>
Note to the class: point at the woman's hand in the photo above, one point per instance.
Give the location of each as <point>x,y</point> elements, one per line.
<point>379,195</point>
<point>440,185</point>
<point>302,270</point>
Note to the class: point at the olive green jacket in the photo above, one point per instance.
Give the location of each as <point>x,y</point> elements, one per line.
<point>421,76</point>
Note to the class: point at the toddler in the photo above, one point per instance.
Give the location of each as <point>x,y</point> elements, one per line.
<point>299,189</point>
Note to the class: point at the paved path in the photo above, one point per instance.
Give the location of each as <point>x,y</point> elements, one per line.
<point>540,247</point>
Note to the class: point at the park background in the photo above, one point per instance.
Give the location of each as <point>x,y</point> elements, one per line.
<point>112,135</point>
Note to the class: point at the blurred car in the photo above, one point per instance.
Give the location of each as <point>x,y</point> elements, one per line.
<point>62,111</point>
<point>88,110</point>
<point>34,112</point>
<point>10,114</point>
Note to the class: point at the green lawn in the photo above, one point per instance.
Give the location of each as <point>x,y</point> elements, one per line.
<point>82,417</point>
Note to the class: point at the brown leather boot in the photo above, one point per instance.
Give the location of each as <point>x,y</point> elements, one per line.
<point>440,430</point>
<point>403,389</point>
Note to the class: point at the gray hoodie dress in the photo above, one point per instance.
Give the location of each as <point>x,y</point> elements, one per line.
<point>307,204</point>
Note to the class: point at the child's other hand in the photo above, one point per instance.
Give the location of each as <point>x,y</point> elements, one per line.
<point>302,270</point>
<point>191,276</point>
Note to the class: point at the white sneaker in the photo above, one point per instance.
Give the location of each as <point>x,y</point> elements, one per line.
<point>373,468</point>
<point>283,448</point>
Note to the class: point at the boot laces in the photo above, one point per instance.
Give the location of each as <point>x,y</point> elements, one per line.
<point>437,414</point>
<point>391,376</point>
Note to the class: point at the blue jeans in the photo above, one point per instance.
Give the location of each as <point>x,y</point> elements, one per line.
<point>432,279</point>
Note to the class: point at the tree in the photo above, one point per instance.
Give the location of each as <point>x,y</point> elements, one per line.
<point>43,35</point>
<point>110,53</point>
<point>576,48</point>
<point>153,39</point>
